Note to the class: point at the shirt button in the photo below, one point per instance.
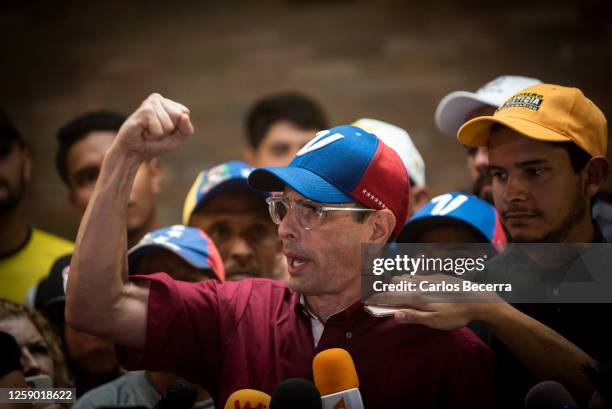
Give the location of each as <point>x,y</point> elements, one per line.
<point>349,335</point>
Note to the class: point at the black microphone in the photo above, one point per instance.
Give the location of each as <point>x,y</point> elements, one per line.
<point>179,395</point>
<point>295,393</point>
<point>549,395</point>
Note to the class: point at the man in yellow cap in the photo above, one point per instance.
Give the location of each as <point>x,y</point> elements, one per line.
<point>547,147</point>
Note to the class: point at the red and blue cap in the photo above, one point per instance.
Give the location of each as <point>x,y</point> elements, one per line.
<point>467,209</point>
<point>189,243</point>
<point>344,164</point>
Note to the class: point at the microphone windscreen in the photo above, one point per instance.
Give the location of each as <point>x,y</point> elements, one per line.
<point>296,393</point>
<point>334,371</point>
<point>180,395</point>
<point>248,399</point>
<point>549,395</point>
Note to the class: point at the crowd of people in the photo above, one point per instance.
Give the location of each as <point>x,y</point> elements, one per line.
<point>265,270</point>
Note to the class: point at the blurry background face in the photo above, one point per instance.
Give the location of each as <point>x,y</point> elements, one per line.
<point>13,174</point>
<point>282,141</point>
<point>84,162</point>
<point>161,260</point>
<point>35,357</point>
<point>478,161</point>
<point>239,224</point>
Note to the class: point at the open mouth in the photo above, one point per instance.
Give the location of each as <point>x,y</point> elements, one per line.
<point>295,262</point>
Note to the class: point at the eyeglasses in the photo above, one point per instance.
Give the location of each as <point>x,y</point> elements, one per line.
<point>308,214</point>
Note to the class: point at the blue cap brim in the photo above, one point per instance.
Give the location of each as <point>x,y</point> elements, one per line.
<point>303,181</point>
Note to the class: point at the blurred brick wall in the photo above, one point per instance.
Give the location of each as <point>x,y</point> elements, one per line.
<point>391,60</point>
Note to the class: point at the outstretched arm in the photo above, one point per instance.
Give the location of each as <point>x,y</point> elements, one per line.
<point>99,298</point>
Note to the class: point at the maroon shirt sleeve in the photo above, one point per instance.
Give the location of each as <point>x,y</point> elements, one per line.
<point>188,325</point>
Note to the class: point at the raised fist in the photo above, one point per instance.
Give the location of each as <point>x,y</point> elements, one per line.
<point>158,126</point>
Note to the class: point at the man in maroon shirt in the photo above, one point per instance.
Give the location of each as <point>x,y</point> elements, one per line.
<point>344,188</point>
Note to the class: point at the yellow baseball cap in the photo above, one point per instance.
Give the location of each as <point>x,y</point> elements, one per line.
<point>545,112</point>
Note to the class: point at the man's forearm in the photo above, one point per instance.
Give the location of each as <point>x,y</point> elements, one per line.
<point>99,266</point>
<point>546,353</point>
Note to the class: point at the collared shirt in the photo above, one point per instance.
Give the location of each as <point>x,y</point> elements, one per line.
<point>315,323</point>
<point>255,333</point>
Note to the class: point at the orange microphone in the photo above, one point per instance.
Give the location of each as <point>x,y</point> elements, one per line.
<point>336,378</point>
<point>248,399</point>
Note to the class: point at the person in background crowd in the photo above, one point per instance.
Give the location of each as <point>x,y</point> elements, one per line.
<point>185,254</point>
<point>11,370</point>
<point>255,333</point>
<point>41,352</point>
<point>459,107</point>
<point>236,218</point>
<point>83,144</point>
<point>26,253</point>
<point>278,125</point>
<point>398,139</point>
<point>547,147</point>
<point>455,217</point>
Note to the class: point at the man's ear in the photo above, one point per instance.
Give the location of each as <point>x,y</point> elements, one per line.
<point>596,174</point>
<point>249,156</point>
<point>155,174</point>
<point>383,223</point>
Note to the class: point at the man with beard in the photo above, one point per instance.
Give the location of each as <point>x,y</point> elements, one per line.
<point>547,147</point>
<point>26,253</point>
<point>236,218</point>
<point>459,107</point>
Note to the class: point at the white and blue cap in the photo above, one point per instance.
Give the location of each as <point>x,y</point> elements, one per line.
<point>189,243</point>
<point>210,182</point>
<point>453,109</point>
<point>452,208</point>
<point>342,165</point>
<point>400,141</point>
